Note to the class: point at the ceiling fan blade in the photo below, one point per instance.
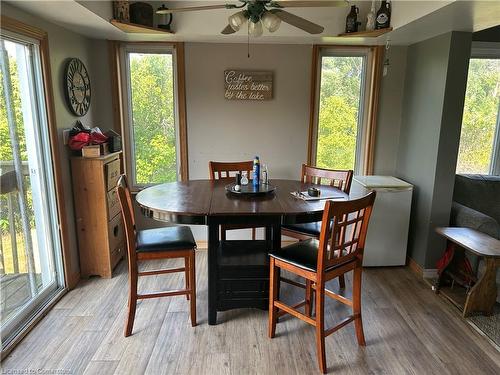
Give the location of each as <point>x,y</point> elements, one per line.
<point>304,4</point>
<point>190,9</point>
<point>228,30</point>
<point>299,22</point>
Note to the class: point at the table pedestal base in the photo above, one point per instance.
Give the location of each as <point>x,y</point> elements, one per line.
<point>238,271</point>
<point>243,274</point>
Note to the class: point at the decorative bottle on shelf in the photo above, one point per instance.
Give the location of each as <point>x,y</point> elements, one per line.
<point>383,19</point>
<point>351,22</point>
<point>256,171</point>
<point>370,18</point>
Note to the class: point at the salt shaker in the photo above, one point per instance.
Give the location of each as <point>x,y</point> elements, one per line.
<point>244,178</point>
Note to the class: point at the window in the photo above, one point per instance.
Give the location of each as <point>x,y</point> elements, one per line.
<point>152,132</point>
<point>30,246</point>
<point>479,150</point>
<point>341,125</point>
<point>340,111</point>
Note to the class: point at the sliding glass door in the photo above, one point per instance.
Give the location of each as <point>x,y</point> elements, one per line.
<point>30,251</point>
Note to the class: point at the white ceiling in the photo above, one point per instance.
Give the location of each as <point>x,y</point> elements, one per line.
<point>412,21</point>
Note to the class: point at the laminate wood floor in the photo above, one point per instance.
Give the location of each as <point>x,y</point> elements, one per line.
<point>408,330</point>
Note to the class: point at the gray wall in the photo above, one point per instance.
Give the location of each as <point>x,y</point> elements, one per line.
<point>389,112</point>
<point>64,44</point>
<point>224,130</point>
<point>434,91</point>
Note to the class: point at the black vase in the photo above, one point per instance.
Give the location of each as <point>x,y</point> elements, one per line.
<point>351,22</point>
<point>383,19</point>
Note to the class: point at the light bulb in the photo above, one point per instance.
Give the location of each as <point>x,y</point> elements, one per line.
<point>237,20</point>
<point>255,28</point>
<point>271,21</point>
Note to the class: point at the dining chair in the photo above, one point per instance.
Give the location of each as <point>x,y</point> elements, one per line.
<point>154,244</point>
<point>227,171</point>
<point>338,250</point>
<point>340,179</point>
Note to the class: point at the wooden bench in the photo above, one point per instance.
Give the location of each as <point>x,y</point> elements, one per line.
<point>481,293</point>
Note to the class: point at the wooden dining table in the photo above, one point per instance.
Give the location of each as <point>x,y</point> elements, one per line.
<point>238,270</point>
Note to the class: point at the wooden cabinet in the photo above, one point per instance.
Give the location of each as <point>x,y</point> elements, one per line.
<point>99,225</point>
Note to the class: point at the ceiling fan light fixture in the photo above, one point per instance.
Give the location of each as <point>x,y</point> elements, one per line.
<point>271,22</point>
<point>255,29</point>
<point>237,20</point>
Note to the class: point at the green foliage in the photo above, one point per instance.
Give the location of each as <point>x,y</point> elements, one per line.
<point>337,134</point>
<point>6,150</point>
<point>341,76</point>
<point>5,141</point>
<point>10,214</point>
<point>152,84</point>
<point>338,111</point>
<point>480,116</point>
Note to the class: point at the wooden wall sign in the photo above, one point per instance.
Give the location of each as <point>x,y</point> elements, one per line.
<point>248,85</point>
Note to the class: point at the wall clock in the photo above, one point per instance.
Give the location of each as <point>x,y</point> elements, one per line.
<point>77,81</point>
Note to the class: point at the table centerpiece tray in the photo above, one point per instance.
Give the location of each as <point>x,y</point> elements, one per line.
<point>251,190</point>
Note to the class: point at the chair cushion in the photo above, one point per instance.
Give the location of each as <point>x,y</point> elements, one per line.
<point>164,239</point>
<point>303,254</point>
<point>311,229</point>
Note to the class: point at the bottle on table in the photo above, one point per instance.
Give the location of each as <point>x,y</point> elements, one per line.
<point>244,178</point>
<point>265,174</point>
<point>383,19</point>
<point>237,182</point>
<point>256,171</point>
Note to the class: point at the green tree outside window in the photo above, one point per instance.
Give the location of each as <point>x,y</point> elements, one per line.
<point>340,94</point>
<point>153,117</point>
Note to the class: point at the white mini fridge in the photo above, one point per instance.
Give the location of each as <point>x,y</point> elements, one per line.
<point>387,236</point>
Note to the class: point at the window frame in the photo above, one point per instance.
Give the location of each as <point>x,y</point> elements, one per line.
<point>369,101</point>
<point>495,155</point>
<point>490,50</point>
<point>125,115</point>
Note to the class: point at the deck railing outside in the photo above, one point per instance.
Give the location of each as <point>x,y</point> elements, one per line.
<point>19,281</point>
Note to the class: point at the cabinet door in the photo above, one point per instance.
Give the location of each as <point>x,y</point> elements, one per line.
<point>115,232</point>
<point>113,204</point>
<point>112,173</point>
<point>117,254</point>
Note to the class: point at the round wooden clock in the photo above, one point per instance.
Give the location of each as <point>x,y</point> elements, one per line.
<point>77,83</point>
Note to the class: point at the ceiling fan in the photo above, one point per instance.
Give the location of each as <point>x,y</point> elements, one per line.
<point>264,13</point>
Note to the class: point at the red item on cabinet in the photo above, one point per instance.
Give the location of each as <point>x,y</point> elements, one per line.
<point>77,141</point>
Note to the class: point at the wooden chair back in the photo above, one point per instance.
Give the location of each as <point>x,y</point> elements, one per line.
<point>227,170</point>
<point>341,179</point>
<point>127,210</point>
<point>343,231</point>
